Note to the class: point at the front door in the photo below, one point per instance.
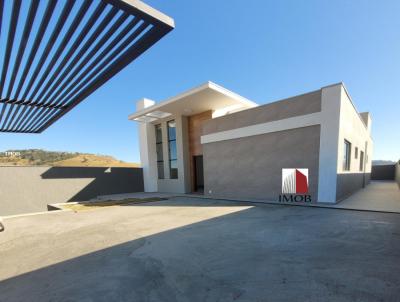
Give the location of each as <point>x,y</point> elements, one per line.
<point>198,173</point>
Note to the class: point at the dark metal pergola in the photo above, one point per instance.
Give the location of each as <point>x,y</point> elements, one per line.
<point>55,53</point>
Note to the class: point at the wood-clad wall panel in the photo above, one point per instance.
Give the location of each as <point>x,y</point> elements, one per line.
<point>195,123</point>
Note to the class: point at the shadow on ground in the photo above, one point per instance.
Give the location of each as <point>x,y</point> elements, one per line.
<point>262,253</point>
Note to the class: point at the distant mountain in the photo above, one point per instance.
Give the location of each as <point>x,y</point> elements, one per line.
<point>382,162</point>
<point>38,157</point>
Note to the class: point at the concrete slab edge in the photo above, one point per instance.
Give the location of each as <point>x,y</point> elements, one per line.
<point>289,204</point>
<point>36,213</point>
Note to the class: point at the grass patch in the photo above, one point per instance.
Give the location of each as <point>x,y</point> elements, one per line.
<point>83,206</point>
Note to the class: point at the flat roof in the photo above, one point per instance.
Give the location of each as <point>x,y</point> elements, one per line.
<point>57,53</point>
<point>208,96</point>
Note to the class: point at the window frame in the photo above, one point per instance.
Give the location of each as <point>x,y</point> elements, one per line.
<point>347,156</point>
<point>361,167</point>
<point>170,158</point>
<point>160,163</point>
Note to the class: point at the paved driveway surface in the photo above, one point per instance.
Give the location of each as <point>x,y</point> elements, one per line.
<point>189,249</point>
<point>377,196</point>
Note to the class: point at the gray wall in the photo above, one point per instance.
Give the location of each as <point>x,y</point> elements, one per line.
<point>348,183</point>
<point>30,189</point>
<point>294,106</point>
<point>383,172</point>
<point>251,167</point>
<point>397,176</point>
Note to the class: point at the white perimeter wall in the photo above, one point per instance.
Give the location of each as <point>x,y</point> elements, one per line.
<point>340,120</point>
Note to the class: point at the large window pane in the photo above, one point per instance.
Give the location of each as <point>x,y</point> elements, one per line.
<point>172,150</point>
<point>171,130</point>
<point>173,169</point>
<point>159,151</point>
<point>158,134</point>
<point>172,154</point>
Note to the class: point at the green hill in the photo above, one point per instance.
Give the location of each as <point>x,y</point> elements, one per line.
<point>38,157</point>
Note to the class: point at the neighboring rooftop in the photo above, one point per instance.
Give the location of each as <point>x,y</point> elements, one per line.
<point>59,52</point>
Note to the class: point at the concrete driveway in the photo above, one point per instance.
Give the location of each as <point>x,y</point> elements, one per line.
<point>377,196</point>
<point>188,249</point>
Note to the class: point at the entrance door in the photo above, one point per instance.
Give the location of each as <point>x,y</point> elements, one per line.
<point>198,173</point>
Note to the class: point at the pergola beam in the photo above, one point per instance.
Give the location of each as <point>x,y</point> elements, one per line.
<point>60,52</point>
<point>30,104</point>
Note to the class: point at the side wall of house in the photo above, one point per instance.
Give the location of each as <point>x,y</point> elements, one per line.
<point>245,152</point>
<point>355,129</point>
<point>295,106</point>
<point>251,167</point>
<point>328,151</point>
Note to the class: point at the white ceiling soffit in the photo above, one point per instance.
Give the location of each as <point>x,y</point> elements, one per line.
<point>203,98</point>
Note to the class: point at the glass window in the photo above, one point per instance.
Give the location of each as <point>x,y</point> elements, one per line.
<point>361,161</point>
<point>347,154</point>
<point>355,152</point>
<point>160,170</point>
<point>172,150</point>
<point>174,169</point>
<point>159,150</point>
<point>158,134</point>
<point>173,163</point>
<point>171,130</point>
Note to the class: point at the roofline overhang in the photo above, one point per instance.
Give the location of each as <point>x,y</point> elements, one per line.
<point>197,89</point>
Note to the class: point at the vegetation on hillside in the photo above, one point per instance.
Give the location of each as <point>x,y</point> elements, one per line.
<point>38,157</point>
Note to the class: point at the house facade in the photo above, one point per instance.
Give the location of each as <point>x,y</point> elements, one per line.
<point>210,140</point>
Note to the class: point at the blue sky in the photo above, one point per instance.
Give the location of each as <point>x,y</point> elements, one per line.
<point>263,50</point>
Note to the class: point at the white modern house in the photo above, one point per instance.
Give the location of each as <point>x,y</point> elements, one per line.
<point>211,140</point>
